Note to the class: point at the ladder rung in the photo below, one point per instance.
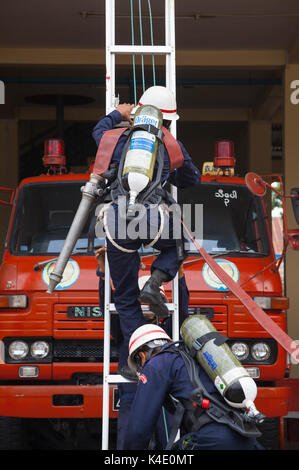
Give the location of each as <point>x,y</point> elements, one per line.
<point>115,379</point>
<point>159,50</point>
<point>145,308</point>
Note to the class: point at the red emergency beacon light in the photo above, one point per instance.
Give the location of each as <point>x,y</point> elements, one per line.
<point>54,156</point>
<point>224,155</point>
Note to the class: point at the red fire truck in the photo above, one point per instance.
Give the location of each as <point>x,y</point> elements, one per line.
<point>52,345</point>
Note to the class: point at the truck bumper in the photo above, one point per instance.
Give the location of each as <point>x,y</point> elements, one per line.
<point>79,401</point>
<point>273,401</point>
<point>54,401</point>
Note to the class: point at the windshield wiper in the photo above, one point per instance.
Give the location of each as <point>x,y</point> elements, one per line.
<point>80,250</point>
<point>246,252</point>
<point>225,253</point>
<point>229,252</point>
<point>37,265</point>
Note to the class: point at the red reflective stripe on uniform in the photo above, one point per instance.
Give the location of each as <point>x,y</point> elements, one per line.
<point>143,378</point>
<point>145,334</point>
<point>106,148</point>
<point>163,110</point>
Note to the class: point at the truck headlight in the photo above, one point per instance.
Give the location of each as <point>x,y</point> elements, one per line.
<point>18,350</point>
<point>260,351</point>
<point>39,349</point>
<point>240,350</point>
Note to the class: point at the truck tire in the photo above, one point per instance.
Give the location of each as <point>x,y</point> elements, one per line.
<point>11,434</point>
<point>270,438</point>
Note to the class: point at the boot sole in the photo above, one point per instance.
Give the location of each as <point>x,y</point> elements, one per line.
<point>162,311</point>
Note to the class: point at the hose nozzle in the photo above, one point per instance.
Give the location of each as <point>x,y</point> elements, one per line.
<point>90,191</point>
<point>54,280</point>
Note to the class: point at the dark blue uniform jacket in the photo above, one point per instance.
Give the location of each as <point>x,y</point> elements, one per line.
<point>163,374</point>
<point>187,175</point>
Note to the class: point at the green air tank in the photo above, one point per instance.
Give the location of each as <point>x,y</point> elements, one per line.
<point>141,154</point>
<point>228,375</point>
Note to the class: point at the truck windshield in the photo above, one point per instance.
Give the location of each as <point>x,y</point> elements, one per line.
<point>233,219</point>
<point>44,215</point>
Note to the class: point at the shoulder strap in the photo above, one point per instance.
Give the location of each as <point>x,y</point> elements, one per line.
<point>109,141</point>
<point>174,150</point>
<point>106,148</point>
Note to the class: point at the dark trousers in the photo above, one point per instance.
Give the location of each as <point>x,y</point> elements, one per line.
<point>124,269</point>
<point>126,394</point>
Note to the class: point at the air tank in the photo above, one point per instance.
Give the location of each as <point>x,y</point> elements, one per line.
<point>228,375</point>
<point>141,154</point>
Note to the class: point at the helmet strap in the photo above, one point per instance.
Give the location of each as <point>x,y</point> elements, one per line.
<point>149,354</point>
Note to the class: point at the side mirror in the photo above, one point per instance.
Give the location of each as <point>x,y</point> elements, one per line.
<point>293,238</point>
<point>295,203</point>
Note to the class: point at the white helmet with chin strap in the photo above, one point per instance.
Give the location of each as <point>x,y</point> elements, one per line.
<point>150,335</point>
<point>163,99</point>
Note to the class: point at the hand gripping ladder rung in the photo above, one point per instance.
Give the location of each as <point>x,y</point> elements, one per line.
<point>168,50</point>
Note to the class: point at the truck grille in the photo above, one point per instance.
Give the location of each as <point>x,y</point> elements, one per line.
<point>217,314</point>
<point>68,328</point>
<point>82,351</point>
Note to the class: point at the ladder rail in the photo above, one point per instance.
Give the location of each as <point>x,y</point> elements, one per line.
<point>110,57</point>
<point>106,359</point>
<point>110,97</point>
<point>168,50</point>
<point>171,85</point>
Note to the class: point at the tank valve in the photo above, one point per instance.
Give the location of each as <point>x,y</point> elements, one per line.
<point>252,414</point>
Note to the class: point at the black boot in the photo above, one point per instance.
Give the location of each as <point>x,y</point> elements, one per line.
<point>128,373</point>
<point>151,294</point>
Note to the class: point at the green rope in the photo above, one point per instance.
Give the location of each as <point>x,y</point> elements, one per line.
<point>133,56</point>
<point>141,43</point>
<point>152,41</point>
<point>165,424</point>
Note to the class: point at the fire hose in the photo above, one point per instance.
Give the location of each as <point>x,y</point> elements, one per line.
<point>258,314</point>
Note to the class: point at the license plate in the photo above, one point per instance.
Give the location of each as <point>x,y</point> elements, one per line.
<point>115,403</point>
<point>84,311</point>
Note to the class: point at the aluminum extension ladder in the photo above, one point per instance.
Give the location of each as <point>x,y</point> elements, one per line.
<point>167,50</point>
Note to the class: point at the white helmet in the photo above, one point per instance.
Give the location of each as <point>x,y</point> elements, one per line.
<point>163,99</point>
<point>152,334</point>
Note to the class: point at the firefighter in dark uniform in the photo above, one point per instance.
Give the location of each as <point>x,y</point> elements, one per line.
<point>162,374</point>
<point>124,266</point>
<point>127,391</point>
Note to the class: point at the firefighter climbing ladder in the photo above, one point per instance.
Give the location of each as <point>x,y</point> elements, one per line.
<point>168,51</point>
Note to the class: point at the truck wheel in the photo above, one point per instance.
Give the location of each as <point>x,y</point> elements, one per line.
<point>11,434</point>
<point>270,438</point>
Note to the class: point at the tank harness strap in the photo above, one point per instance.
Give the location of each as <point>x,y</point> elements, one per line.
<point>202,340</point>
<point>176,424</point>
<point>106,148</point>
<point>149,128</point>
<point>174,150</point>
<point>110,139</point>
